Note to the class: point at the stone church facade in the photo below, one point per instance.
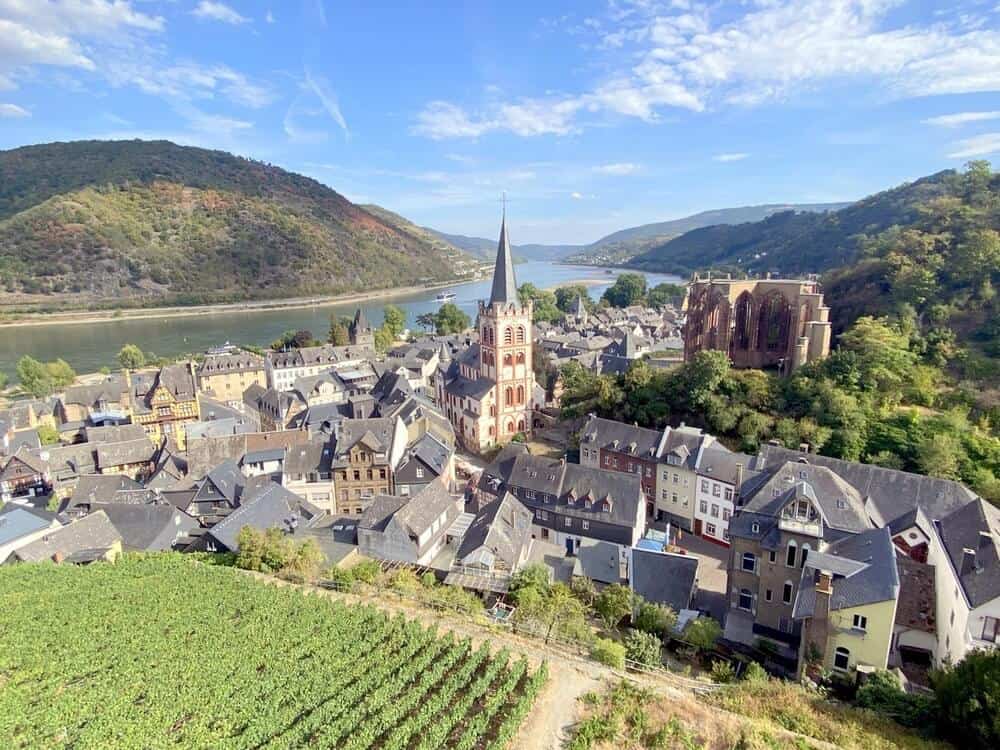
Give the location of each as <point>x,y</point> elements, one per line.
<point>486,391</point>
<point>761,323</point>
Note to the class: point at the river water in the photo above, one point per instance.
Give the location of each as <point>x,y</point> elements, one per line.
<point>90,346</point>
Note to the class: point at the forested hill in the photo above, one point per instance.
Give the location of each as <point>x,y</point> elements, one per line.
<point>794,242</point>
<point>137,222</point>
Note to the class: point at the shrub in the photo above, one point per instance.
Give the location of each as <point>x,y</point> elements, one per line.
<point>428,580</point>
<point>608,652</point>
<point>366,571</point>
<point>702,633</point>
<point>583,589</point>
<point>755,673</point>
<point>654,618</point>
<point>881,693</point>
<point>968,695</point>
<point>405,580</point>
<point>613,604</point>
<point>643,648</point>
<point>722,671</point>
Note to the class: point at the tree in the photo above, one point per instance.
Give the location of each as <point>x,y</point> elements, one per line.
<point>662,295</point>
<point>427,320</point>
<point>566,296</point>
<point>968,698</point>
<point>702,633</point>
<point>289,340</point>
<point>451,319</point>
<point>339,334</point>
<point>47,434</point>
<point>939,455</point>
<point>628,289</point>
<point>394,319</point>
<point>60,373</point>
<point>130,357</point>
<point>534,576</point>
<point>651,617</point>
<point>543,303</point>
<point>555,610</point>
<point>34,377</point>
<point>608,652</point>
<point>3,380</point>
<point>643,648</point>
<point>613,604</point>
<point>583,589</point>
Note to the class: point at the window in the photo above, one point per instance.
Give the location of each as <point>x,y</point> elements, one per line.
<point>420,472</point>
<point>663,494</point>
<point>772,556</point>
<point>860,622</point>
<point>704,485</point>
<point>703,506</point>
<point>749,562</point>
<point>786,592</point>
<point>790,555</point>
<point>585,525</point>
<point>716,490</point>
<point>710,529</point>
<point>544,515</point>
<point>715,510</point>
<point>629,467</point>
<point>841,659</point>
<point>673,497</point>
<point>725,534</point>
<point>755,527</point>
<point>729,493</point>
<point>991,629</point>
<point>725,514</point>
<point>804,555</point>
<point>569,522</point>
<point>767,595</point>
<point>677,478</point>
<point>745,600</point>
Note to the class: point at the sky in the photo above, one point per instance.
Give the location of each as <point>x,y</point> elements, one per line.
<point>592,115</point>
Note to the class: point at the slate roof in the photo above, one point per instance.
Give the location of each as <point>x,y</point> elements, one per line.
<point>91,534</point>
<point>376,433</point>
<point>178,379</point>
<point>620,437</point>
<point>721,464</point>
<point>868,573</point>
<point>122,454</point>
<point>305,458</point>
<point>663,577</point>
<point>495,475</point>
<point>236,361</point>
<point>26,439</point>
<point>916,606</point>
<point>500,532</point>
<point>32,459</point>
<point>98,488</point>
<point>463,387</point>
<point>147,527</point>
<point>114,433</point>
<point>974,527</point>
<point>504,289</point>
<point>426,506</point>
<point>270,505</point>
<point>382,508</point>
<point>110,389</point>
<point>598,561</point>
<point>429,451</point>
<point>892,492</point>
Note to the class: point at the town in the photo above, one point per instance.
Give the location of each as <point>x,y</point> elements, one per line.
<point>448,457</point>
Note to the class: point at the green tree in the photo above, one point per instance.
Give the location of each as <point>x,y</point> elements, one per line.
<point>60,373</point>
<point>47,434</point>
<point>339,334</point>
<point>613,604</point>
<point>3,380</point>
<point>702,633</point>
<point>384,339</point>
<point>534,576</point>
<point>628,289</point>
<point>427,321</point>
<point>34,377</point>
<point>940,455</point>
<point>665,294</point>
<point>651,617</point>
<point>451,319</point>
<point>608,652</point>
<point>543,302</point>
<point>394,319</point>
<point>566,296</point>
<point>643,648</point>
<point>968,698</point>
<point>130,357</point>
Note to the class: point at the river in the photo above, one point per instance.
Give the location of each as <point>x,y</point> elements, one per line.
<point>89,346</point>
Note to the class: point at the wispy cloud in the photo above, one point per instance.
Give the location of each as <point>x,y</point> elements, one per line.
<point>618,169</point>
<point>214,11</point>
<point>739,156</point>
<point>979,145</point>
<point>695,56</point>
<point>269,18</point>
<point>576,196</point>
<point>961,118</point>
<point>324,92</point>
<point>13,111</point>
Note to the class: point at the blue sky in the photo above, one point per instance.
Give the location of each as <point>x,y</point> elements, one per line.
<point>593,116</point>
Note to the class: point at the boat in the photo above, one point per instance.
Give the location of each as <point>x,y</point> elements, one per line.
<point>445,297</point>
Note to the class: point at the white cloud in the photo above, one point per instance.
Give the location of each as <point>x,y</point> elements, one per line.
<point>12,110</point>
<point>213,11</point>
<point>190,80</point>
<point>619,169</point>
<point>980,145</point>
<point>576,196</point>
<point>321,88</point>
<point>269,17</point>
<point>739,156</point>
<point>694,56</point>
<point>961,118</point>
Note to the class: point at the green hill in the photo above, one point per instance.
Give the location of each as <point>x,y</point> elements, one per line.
<point>143,222</point>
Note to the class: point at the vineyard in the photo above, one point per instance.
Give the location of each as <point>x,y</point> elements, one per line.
<point>164,652</point>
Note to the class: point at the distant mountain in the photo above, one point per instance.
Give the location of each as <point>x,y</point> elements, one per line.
<point>793,242</point>
<point>140,222</point>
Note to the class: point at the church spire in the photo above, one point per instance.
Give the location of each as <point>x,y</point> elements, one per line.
<point>504,284</point>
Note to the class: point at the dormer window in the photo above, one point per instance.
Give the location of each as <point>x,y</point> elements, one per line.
<point>755,527</point>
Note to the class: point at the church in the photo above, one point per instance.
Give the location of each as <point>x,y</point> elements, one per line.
<point>486,391</point>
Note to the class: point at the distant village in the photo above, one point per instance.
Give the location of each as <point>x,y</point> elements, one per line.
<point>446,454</point>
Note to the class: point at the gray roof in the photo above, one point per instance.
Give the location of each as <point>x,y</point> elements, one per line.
<point>718,463</point>
<point>379,511</point>
<point>127,452</point>
<point>98,488</point>
<point>426,506</point>
<point>504,290</point>
<point>114,433</point>
<point>376,433</point>
<point>975,527</point>
<point>314,456</point>
<point>92,533</point>
<point>663,577</point>
<point>148,527</point>
<point>110,389</point>
<point>17,521</point>
<point>500,532</point>
<point>235,361</point>
<point>598,561</point>
<point>177,379</point>
<point>429,451</point>
<point>269,506</point>
<point>864,572</point>
<point>463,387</point>
<point>27,439</point>
<point>892,492</point>
<point>620,437</point>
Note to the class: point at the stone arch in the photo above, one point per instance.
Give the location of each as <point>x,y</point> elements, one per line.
<point>520,394</point>
<point>510,426</point>
<point>774,322</point>
<point>508,396</point>
<point>520,358</point>
<point>520,425</point>
<point>743,319</point>
<point>716,321</point>
<point>508,360</point>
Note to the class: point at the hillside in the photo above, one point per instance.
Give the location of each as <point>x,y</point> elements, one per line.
<point>794,242</point>
<point>150,222</point>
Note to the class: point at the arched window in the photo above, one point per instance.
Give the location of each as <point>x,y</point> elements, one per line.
<point>520,394</point>
<point>508,360</point>
<point>492,430</point>
<point>790,555</point>
<point>803,555</point>
<point>841,659</point>
<point>744,316</point>
<point>520,358</point>
<point>520,425</point>
<point>508,396</point>
<point>787,591</point>
<point>510,425</point>
<point>493,412</point>
<point>508,335</point>
<point>520,334</point>
<point>745,600</point>
<point>773,323</point>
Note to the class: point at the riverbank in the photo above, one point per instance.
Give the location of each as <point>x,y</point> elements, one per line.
<point>181,311</point>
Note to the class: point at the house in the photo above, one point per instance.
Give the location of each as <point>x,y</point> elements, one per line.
<point>263,507</point>
<point>601,562</point>
<point>424,460</point>
<point>494,547</point>
<point>663,577</point>
<point>846,603</point>
<point>25,474</point>
<point>103,403</point>
<point>284,368</point>
<point>272,409</point>
<point>720,474</point>
<point>226,374</point>
<point>94,489</point>
<point>616,446</point>
<point>132,458</point>
<point>308,472</point>
<point>680,452</point>
<point>366,455</point>
<point>148,527</point>
<point>90,539</point>
<point>21,525</point>
<point>163,401</point>
<point>410,530</point>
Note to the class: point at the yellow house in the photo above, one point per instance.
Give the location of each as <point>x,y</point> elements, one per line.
<point>227,374</point>
<point>164,401</point>
<point>847,603</point>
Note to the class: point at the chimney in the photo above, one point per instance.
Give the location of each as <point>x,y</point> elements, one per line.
<point>968,561</point>
<point>739,476</point>
<point>985,540</point>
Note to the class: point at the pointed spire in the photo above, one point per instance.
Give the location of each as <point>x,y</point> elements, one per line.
<point>360,321</point>
<point>504,284</point>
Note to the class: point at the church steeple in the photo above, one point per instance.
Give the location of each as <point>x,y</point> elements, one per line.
<point>504,289</point>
